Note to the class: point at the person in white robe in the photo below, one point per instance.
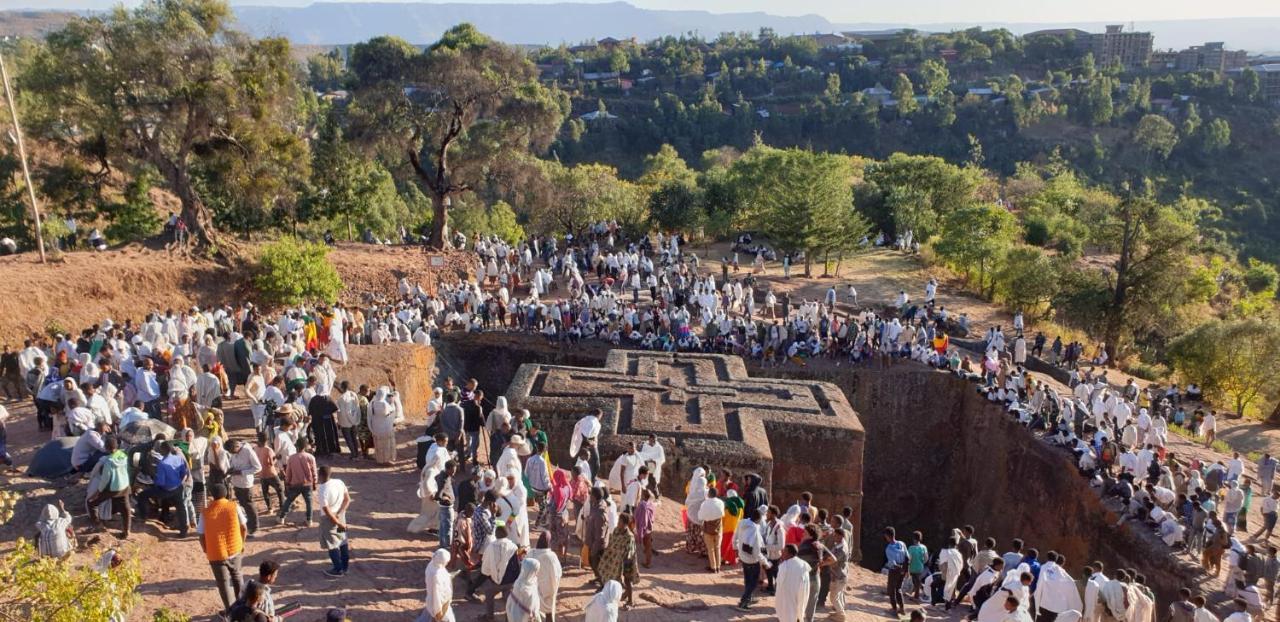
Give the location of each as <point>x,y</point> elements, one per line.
<point>625,469</point>
<point>382,418</point>
<point>497,553</point>
<point>428,517</point>
<point>325,376</point>
<point>439,601</point>
<point>524,602</point>
<point>654,456</point>
<point>950,562</point>
<point>1056,591</point>
<point>1016,584</point>
<point>603,607</point>
<point>394,397</point>
<point>586,429</point>
<point>513,509</point>
<point>337,348</point>
<point>1014,610</point>
<point>509,462</point>
<point>1142,606</point>
<point>793,587</point>
<point>1113,601</point>
<point>549,575</point>
<point>182,379</point>
<point>208,389</point>
<point>499,415</point>
<point>1202,613</point>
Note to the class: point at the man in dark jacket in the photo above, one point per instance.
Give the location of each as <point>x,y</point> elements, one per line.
<point>754,495</point>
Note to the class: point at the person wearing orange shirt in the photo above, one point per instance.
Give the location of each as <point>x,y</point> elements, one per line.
<point>222,528</point>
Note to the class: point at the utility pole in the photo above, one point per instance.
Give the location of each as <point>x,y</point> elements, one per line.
<point>22,154</point>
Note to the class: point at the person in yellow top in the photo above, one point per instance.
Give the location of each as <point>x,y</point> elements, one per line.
<point>733,510</point>
<point>222,529</point>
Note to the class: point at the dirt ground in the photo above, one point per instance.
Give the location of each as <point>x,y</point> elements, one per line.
<point>84,287</point>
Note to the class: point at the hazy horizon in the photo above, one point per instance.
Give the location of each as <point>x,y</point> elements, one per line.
<point>905,13</point>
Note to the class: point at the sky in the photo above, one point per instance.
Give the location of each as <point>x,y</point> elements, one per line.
<point>897,12</point>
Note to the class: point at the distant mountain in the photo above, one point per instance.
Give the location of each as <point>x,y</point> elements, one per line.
<point>347,22</point>
<point>570,22</point>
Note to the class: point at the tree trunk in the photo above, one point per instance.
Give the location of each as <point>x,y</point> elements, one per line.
<point>1274,419</point>
<point>439,222</point>
<point>808,264</point>
<point>194,214</point>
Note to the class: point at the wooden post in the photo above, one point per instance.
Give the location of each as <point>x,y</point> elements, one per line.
<point>22,154</point>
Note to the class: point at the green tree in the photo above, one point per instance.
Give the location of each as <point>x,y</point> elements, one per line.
<point>1096,106</point>
<point>1155,136</point>
<point>618,61</point>
<point>498,219</point>
<point>47,589</point>
<point>325,72</point>
<point>801,200</point>
<point>1027,279</point>
<point>905,95</point>
<point>1251,85</point>
<point>1261,277</point>
<point>975,238</point>
<point>1217,136</point>
<point>168,84</point>
<point>352,191</point>
<point>832,92</point>
<point>935,76</point>
<point>562,199</point>
<point>474,108</point>
<point>1233,360</point>
<point>1147,281</point>
<point>1087,68</point>
<point>1191,122</point>
<point>664,167</point>
<point>134,217</point>
<point>290,272</point>
<point>675,206</point>
<point>914,193</point>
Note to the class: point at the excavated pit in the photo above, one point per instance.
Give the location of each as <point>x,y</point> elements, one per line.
<point>937,455</point>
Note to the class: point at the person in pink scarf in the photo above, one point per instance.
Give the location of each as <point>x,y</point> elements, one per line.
<point>560,497</point>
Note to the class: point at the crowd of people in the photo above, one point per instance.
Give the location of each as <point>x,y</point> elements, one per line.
<point>144,402</point>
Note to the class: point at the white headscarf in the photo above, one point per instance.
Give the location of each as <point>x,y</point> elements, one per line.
<point>524,604</point>
<point>697,493</point>
<point>439,587</point>
<point>604,605</point>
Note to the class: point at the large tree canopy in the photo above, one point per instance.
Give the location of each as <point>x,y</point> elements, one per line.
<point>802,200</point>
<point>460,112</point>
<point>171,85</point>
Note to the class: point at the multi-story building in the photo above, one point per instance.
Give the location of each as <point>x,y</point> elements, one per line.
<point>1213,56</point>
<point>1132,49</point>
<point>1269,76</point>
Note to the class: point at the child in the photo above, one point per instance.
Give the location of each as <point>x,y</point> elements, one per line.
<point>644,513</point>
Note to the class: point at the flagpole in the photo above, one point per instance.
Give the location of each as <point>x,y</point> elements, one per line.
<point>22,154</point>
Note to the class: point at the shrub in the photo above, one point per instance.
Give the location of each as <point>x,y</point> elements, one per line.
<point>1148,371</point>
<point>1036,230</point>
<point>45,589</point>
<point>165,614</point>
<point>292,272</point>
<point>135,217</point>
